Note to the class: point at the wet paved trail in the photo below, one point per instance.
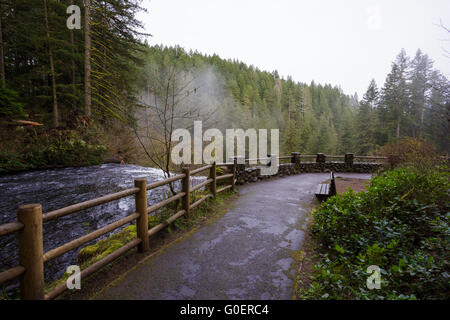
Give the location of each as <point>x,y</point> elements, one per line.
<point>246,254</point>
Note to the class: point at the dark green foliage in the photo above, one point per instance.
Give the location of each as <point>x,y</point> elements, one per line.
<point>400,224</point>
<point>26,56</point>
<point>115,39</point>
<point>9,103</point>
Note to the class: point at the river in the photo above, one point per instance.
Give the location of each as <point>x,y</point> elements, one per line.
<point>58,188</point>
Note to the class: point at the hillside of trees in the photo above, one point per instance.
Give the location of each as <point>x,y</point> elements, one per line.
<point>311,118</point>
<point>84,91</point>
<point>413,102</point>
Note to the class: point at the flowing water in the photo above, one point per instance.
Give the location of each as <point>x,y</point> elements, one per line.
<point>58,188</point>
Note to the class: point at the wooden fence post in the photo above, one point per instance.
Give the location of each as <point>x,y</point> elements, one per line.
<point>31,252</point>
<point>233,182</point>
<point>186,186</point>
<point>141,208</point>
<point>212,175</point>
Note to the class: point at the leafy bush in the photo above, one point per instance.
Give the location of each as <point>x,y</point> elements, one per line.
<point>410,151</point>
<point>66,153</point>
<point>401,224</point>
<point>9,160</point>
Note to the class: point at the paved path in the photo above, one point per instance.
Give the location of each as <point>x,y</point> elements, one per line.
<point>246,254</point>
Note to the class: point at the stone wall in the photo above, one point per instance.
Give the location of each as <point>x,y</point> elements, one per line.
<point>247,174</point>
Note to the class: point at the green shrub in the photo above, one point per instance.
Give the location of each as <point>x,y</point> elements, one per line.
<point>53,150</point>
<point>401,224</point>
<point>72,152</point>
<point>9,160</point>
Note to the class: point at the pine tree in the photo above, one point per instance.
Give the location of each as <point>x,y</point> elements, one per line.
<point>87,59</point>
<point>394,97</point>
<point>419,77</point>
<point>323,139</point>
<point>437,113</point>
<point>347,133</point>
<point>366,121</point>
<point>113,41</point>
<point>52,67</point>
<point>2,60</point>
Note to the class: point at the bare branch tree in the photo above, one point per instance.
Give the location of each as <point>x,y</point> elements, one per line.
<point>446,51</point>
<point>171,103</point>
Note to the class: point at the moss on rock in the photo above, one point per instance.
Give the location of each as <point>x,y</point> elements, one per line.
<point>103,247</point>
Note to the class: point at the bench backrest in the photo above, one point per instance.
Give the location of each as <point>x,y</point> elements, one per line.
<point>332,191</point>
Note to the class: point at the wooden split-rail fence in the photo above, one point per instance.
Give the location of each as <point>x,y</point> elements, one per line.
<point>32,257</point>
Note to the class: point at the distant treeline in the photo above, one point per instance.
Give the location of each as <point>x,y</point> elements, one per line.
<point>413,102</point>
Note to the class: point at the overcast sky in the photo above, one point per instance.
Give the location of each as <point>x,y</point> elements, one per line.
<point>341,42</point>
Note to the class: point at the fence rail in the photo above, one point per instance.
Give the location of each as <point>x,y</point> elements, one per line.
<point>30,219</point>
<point>11,227</point>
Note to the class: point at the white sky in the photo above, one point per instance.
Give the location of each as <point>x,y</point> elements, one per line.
<point>341,42</point>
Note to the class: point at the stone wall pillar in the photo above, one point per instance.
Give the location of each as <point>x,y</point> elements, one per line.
<point>295,157</point>
<point>349,159</point>
<point>321,158</point>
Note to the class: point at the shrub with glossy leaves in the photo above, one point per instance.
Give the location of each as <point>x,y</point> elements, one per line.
<point>401,224</point>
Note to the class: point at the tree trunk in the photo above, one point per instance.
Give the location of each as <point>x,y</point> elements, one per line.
<point>72,42</point>
<point>87,59</point>
<point>52,69</point>
<point>422,112</point>
<point>2,63</point>
<point>398,127</point>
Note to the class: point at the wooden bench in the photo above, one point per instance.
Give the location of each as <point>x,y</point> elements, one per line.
<point>326,190</point>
